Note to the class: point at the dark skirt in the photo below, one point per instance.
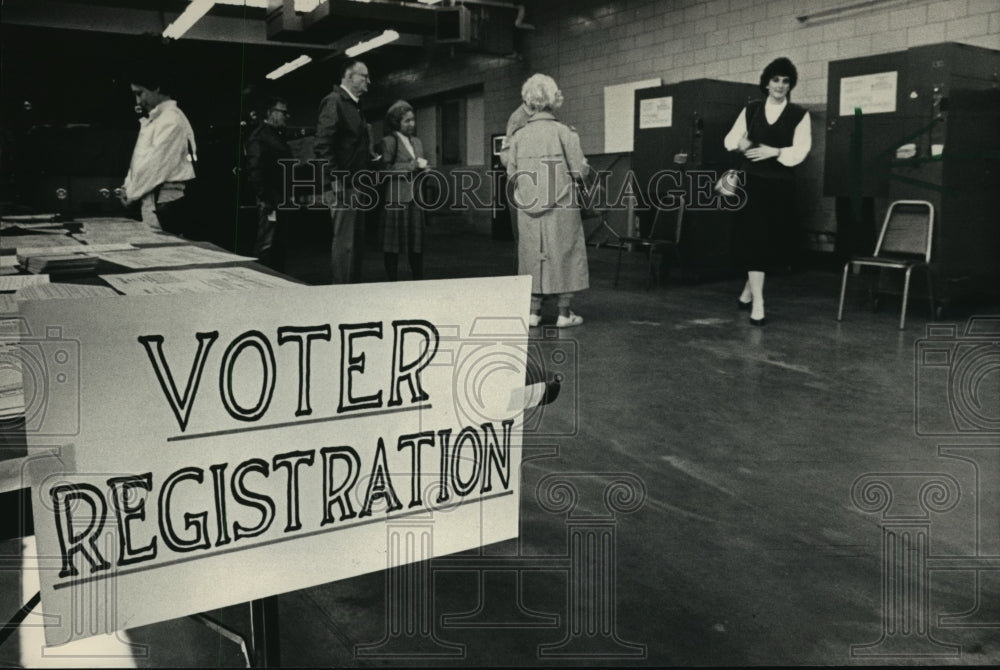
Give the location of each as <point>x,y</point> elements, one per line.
<point>765,232</point>
<point>403,230</point>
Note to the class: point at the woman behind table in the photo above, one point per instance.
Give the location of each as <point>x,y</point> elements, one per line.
<point>402,218</point>
<point>550,244</point>
<point>774,136</point>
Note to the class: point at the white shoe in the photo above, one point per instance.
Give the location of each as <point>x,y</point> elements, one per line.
<point>569,321</point>
<point>534,320</point>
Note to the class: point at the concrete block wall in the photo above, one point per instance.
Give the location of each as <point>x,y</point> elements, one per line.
<point>588,44</point>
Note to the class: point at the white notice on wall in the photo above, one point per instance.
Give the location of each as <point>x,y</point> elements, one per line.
<point>212,451</point>
<point>872,93</point>
<point>656,113</point>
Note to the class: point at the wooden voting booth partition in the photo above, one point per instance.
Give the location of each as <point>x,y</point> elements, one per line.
<point>923,123</point>
<point>679,128</point>
<point>195,452</point>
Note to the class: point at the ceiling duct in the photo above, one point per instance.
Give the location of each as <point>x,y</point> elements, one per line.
<point>335,18</point>
<point>482,28</point>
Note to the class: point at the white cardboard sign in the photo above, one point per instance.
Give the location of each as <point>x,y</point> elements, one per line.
<point>872,93</point>
<point>229,447</point>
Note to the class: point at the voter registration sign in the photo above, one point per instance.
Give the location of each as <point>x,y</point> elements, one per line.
<point>198,451</point>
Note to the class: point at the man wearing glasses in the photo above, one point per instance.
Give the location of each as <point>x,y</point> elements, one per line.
<point>265,147</point>
<point>342,140</point>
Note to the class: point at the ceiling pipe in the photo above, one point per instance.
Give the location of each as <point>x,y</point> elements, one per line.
<point>518,22</point>
<point>521,11</point>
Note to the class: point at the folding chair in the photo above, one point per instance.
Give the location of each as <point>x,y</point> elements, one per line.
<point>651,242</point>
<point>903,244</point>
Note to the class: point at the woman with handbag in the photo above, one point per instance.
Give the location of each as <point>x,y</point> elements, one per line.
<point>774,136</point>
<point>550,245</point>
<point>402,219</point>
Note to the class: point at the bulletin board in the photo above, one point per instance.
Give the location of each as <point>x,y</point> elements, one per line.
<point>619,109</point>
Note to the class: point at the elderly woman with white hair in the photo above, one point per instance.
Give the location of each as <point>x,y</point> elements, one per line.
<point>551,246</point>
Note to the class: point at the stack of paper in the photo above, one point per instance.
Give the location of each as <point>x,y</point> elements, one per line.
<point>110,220</point>
<point>15,283</point>
<point>59,264</point>
<point>65,260</point>
<point>62,292</point>
<point>148,237</point>
<point>204,280</point>
<point>36,241</point>
<point>8,265</point>
<point>29,217</point>
<point>11,227</point>
<point>11,384</point>
<point>159,257</point>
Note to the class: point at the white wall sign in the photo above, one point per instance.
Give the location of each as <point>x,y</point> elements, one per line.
<point>619,112</point>
<point>223,449</point>
<point>873,93</point>
<point>656,112</point>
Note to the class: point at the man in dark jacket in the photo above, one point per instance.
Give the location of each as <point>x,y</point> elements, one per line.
<point>265,147</point>
<point>342,140</point>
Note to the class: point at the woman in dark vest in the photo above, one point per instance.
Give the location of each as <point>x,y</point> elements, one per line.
<point>774,136</point>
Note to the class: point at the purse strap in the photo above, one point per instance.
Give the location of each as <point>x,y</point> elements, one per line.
<point>569,170</point>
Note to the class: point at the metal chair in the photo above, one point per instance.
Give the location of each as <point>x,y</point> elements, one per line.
<point>651,242</point>
<point>903,244</point>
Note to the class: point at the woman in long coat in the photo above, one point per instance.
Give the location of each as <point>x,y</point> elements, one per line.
<point>550,246</point>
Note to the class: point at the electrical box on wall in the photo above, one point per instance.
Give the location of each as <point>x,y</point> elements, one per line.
<point>484,29</point>
<point>453,25</point>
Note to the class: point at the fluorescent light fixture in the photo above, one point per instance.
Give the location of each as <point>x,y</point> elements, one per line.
<point>255,4</point>
<point>288,67</point>
<point>190,16</point>
<point>429,2</point>
<point>374,43</point>
<point>304,6</point>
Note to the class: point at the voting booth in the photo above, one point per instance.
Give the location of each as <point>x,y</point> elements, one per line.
<point>924,124</point>
<point>679,128</point>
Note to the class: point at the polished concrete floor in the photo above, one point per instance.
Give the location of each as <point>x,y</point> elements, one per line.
<point>752,494</point>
